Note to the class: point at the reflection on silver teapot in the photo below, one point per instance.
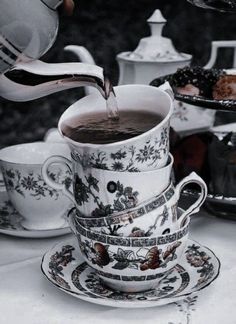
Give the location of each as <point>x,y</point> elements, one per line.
<point>32,80</point>
<point>27,30</point>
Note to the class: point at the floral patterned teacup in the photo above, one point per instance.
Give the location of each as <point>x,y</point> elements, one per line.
<point>41,206</point>
<point>99,193</point>
<point>155,216</point>
<point>145,152</point>
<point>130,264</point>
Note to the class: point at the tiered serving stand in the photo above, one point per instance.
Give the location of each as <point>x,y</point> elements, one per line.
<point>216,204</point>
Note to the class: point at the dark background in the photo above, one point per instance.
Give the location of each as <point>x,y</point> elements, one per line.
<point>106,28</point>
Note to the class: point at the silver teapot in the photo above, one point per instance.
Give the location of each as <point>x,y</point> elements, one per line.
<point>28,28</point>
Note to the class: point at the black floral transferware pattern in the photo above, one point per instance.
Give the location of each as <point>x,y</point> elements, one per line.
<point>182,278</point>
<point>113,224</point>
<point>82,232</point>
<point>143,259</point>
<point>187,306</point>
<point>58,261</point>
<point>125,197</point>
<point>7,212</point>
<point>96,286</point>
<point>137,231</point>
<point>199,259</point>
<point>171,285</point>
<point>129,158</point>
<point>180,112</point>
<point>32,183</point>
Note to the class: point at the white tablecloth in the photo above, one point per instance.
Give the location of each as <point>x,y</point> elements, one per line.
<point>26,297</point>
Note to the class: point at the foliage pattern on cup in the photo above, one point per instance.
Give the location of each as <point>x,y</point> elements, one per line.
<point>33,184</point>
<point>130,255</point>
<point>130,158</point>
<point>197,268</point>
<point>144,220</point>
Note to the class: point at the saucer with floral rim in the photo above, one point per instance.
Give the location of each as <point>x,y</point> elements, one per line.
<point>10,222</point>
<point>65,268</point>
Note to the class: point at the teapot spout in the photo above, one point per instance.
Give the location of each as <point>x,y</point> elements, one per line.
<point>36,79</point>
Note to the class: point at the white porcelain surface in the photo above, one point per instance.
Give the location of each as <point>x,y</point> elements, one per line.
<point>145,72</point>
<point>79,280</point>
<point>157,48</point>
<point>53,135</point>
<point>154,143</point>
<point>42,206</point>
<point>225,128</point>
<point>11,222</point>
<point>32,153</point>
<point>189,119</point>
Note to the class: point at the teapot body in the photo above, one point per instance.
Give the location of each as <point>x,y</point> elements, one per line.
<point>28,28</point>
<point>132,72</point>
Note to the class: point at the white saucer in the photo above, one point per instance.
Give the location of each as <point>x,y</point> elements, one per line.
<point>10,222</point>
<point>64,267</point>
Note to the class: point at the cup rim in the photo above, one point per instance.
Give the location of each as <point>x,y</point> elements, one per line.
<point>129,211</point>
<point>129,140</point>
<point>36,144</point>
<point>112,237</point>
<point>169,164</point>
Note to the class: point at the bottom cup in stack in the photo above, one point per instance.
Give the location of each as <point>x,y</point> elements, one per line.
<point>130,264</point>
<point>128,225</point>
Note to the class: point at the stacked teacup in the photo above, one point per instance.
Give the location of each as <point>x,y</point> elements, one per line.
<point>126,216</point>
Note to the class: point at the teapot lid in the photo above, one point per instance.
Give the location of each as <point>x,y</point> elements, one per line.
<point>155,48</point>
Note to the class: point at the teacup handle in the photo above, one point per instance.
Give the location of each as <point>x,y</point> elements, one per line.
<point>195,207</point>
<point>50,182</point>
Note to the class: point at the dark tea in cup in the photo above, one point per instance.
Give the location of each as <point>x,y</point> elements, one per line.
<point>97,128</point>
<point>138,140</point>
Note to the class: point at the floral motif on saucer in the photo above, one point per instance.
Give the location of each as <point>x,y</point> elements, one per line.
<point>64,267</point>
<point>10,222</point>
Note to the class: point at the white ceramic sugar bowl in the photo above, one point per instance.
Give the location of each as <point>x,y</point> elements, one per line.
<point>155,56</point>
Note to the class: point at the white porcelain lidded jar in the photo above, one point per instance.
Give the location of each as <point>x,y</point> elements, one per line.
<point>155,56</point>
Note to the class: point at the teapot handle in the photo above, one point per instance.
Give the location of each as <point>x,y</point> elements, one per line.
<point>215,46</point>
<point>81,52</point>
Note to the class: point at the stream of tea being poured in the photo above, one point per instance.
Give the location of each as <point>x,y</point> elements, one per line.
<point>111,102</point>
<point>109,125</point>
